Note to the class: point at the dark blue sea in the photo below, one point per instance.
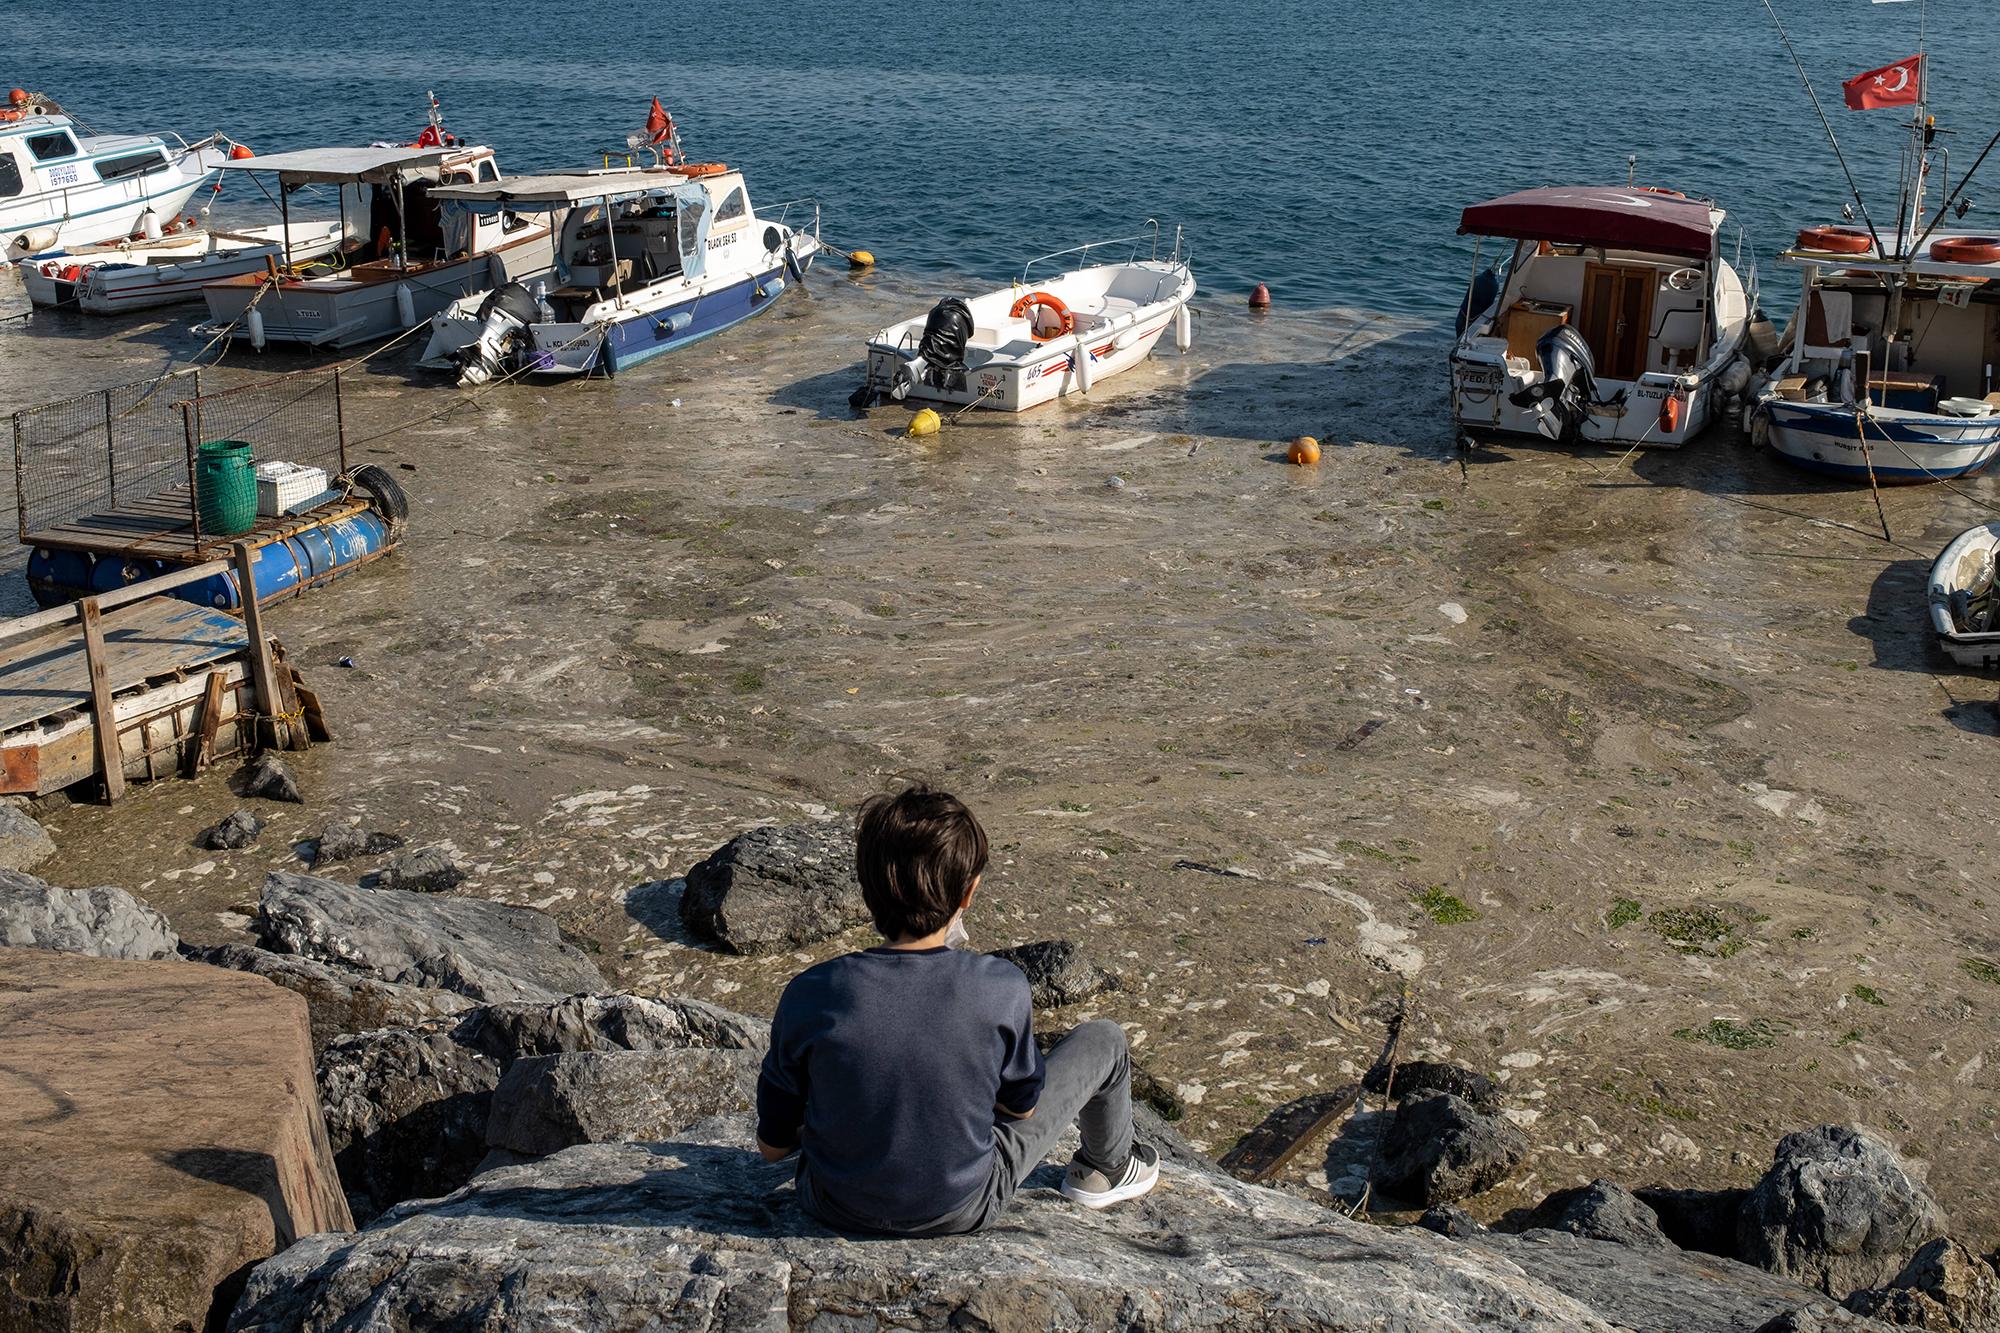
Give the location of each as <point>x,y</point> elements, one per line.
<point>1324,148</point>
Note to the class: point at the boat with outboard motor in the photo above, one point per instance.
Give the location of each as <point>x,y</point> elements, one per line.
<point>1965,598</point>
<point>1036,340</point>
<point>145,272</point>
<point>416,257</point>
<point>1614,317</point>
<point>647,260</point>
<point>62,186</point>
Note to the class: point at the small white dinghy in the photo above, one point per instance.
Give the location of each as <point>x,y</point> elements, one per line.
<point>1034,341</point>
<point>145,272</point>
<point>1965,602</point>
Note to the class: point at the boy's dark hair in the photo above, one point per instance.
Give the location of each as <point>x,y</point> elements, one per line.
<point>916,853</point>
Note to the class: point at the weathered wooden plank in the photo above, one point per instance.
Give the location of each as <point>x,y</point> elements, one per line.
<point>104,718</point>
<point>48,673</point>
<point>202,752</point>
<point>263,671</point>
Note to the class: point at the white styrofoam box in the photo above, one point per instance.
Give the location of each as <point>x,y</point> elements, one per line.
<point>282,485</point>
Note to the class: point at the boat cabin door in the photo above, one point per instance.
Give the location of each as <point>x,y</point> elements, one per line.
<point>1617,318</point>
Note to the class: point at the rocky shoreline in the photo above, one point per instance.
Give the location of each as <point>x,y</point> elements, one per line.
<point>522,1145</point>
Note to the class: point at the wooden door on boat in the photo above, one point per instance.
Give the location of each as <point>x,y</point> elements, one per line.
<point>1616,319</point>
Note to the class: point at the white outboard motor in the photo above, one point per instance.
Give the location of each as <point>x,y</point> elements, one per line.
<point>940,356</point>
<point>504,318</point>
<point>1560,404</point>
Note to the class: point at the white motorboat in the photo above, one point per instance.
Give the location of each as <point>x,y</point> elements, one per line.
<point>1032,342</point>
<point>61,187</point>
<point>648,260</point>
<point>1615,317</point>
<point>1964,600</point>
<point>414,258</point>
<point>118,276</point>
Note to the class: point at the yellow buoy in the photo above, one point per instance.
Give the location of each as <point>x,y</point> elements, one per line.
<point>861,259</point>
<point>1304,451</point>
<point>926,422</point>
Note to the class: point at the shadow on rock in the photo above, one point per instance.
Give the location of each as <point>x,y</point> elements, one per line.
<point>656,905</point>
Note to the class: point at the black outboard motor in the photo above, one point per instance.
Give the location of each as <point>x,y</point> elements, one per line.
<point>940,359</point>
<point>1561,402</point>
<point>503,316</point>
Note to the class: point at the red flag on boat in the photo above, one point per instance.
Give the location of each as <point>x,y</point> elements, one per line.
<point>430,138</point>
<point>1900,84</point>
<point>659,125</point>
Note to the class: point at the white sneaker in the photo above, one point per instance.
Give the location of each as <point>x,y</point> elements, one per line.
<point>1093,1189</point>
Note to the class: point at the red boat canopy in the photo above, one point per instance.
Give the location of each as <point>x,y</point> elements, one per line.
<point>1609,217</point>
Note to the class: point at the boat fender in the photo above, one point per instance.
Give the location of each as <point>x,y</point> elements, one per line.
<point>674,323</point>
<point>1080,362</point>
<point>1480,293</point>
<point>496,270</point>
<point>1673,408</point>
<point>1836,240</point>
<point>792,269</point>
<point>406,305</point>
<point>1736,377</point>
<point>1183,328</point>
<point>34,242</point>
<point>253,321</point>
<point>769,287</point>
<point>1065,322</point>
<point>385,494</point>
<point>1967,250</point>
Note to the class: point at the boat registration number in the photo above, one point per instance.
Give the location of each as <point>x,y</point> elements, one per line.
<point>1479,377</point>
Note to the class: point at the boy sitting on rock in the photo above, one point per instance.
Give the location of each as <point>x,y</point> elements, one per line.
<point>906,1076</point>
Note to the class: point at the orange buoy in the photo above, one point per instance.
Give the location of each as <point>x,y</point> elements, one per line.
<point>17,95</point>
<point>1967,250</point>
<point>1304,451</point>
<point>1836,240</point>
<point>239,151</point>
<point>1260,297</point>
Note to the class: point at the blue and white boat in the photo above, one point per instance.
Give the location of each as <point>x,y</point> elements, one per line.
<point>648,260</point>
<point>61,187</point>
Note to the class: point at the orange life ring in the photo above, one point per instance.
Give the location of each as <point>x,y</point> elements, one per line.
<point>1836,240</point>
<point>1967,250</point>
<point>1065,320</point>
<point>694,171</point>
<point>1660,189</point>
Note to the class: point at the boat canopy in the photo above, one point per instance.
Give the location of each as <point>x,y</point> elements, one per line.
<point>1607,217</point>
<point>536,193</point>
<point>373,166</point>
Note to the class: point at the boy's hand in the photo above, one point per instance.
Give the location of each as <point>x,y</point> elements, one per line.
<point>1013,1115</point>
<point>774,1154</point>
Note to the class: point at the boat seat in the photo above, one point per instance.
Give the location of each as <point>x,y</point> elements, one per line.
<point>1680,330</point>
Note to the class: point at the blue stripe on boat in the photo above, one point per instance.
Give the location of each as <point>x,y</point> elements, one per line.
<point>641,337</point>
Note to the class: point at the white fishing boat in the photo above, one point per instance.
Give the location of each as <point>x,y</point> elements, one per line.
<point>1038,339</point>
<point>1965,600</point>
<point>143,273</point>
<point>1614,317</point>
<point>62,187</point>
<point>415,257</point>
<point>648,260</point>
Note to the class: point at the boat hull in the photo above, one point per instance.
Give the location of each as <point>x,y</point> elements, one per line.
<point>146,276</point>
<point>1480,403</point>
<point>1961,567</point>
<point>1909,448</point>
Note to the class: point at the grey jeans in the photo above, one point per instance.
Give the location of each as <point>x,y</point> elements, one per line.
<point>1088,1083</point>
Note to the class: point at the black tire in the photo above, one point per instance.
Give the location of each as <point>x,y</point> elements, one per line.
<point>385,494</point>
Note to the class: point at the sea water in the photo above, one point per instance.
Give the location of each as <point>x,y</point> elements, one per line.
<point>1323,148</point>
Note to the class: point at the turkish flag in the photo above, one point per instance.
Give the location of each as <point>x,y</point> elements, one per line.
<point>659,125</point>
<point>1900,84</point>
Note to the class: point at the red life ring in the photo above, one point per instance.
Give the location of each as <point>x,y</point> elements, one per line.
<point>1967,250</point>
<point>1660,189</point>
<point>1066,322</point>
<point>695,171</point>
<point>1836,240</point>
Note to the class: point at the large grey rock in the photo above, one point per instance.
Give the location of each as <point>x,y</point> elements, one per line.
<point>612,1022</point>
<point>550,1102</point>
<point>106,922</point>
<point>1693,1219</point>
<point>1421,1078</point>
<point>699,1233</point>
<point>235,832</point>
<point>1944,1286</point>
<point>1057,972</point>
<point>1440,1149</point>
<point>1601,1210</point>
<point>486,950</point>
<point>1838,1210</point>
<point>775,888</point>
<point>341,841</point>
<point>425,870</point>
<point>339,1001</point>
<point>408,1107</point>
<point>270,777</point>
<point>24,843</point>
<point>406,1113</point>
<point>1664,1291</point>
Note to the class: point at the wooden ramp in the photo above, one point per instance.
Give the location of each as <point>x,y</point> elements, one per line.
<point>49,672</point>
<point>161,526</point>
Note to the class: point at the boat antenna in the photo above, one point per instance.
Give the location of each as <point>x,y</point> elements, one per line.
<point>1825,124</point>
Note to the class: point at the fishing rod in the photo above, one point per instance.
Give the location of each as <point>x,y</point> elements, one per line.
<point>1944,209</point>
<point>1827,125</point>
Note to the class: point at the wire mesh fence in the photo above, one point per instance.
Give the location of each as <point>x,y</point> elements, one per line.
<point>130,452</point>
